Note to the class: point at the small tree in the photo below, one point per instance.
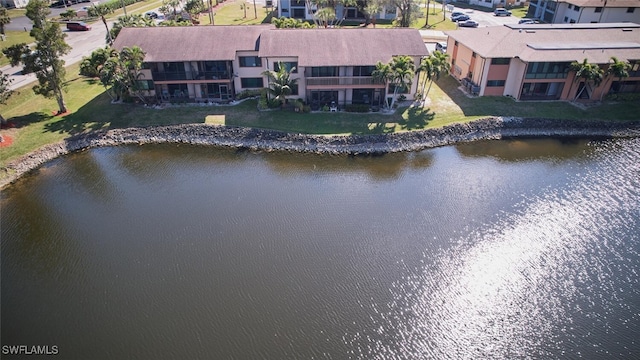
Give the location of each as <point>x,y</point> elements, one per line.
<point>5,19</point>
<point>280,82</point>
<point>68,15</point>
<point>617,69</point>
<point>5,93</point>
<point>91,66</point>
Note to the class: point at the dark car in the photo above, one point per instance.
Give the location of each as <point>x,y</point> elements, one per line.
<point>462,17</point>
<point>78,26</point>
<point>501,12</point>
<point>151,14</point>
<point>468,23</point>
<point>456,13</point>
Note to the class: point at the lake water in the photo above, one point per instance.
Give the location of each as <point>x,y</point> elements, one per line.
<point>501,250</point>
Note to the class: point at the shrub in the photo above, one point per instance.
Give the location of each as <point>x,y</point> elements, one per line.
<point>248,94</point>
<point>357,108</point>
<point>623,97</point>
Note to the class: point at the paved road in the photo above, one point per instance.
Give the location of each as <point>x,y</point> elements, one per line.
<point>82,44</point>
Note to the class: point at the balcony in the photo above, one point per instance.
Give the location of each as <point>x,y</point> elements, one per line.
<point>189,75</point>
<point>344,81</point>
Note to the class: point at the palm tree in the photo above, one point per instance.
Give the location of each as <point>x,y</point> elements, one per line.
<point>122,71</point>
<point>590,73</point>
<point>399,72</point>
<point>617,69</point>
<point>433,67</point>
<point>280,82</point>
<point>382,73</point>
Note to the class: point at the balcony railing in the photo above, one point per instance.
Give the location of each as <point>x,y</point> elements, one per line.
<point>343,81</point>
<point>190,75</point>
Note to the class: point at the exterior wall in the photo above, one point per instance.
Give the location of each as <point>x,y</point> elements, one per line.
<point>286,8</point>
<point>515,74</point>
<point>487,3</point>
<point>493,73</point>
<point>18,4</point>
<point>563,12</point>
<point>246,72</point>
<point>269,64</point>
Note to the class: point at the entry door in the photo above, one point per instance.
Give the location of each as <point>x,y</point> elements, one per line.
<point>224,92</point>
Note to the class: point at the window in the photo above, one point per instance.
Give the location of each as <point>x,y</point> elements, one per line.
<point>598,9</point>
<point>252,82</point>
<point>323,71</point>
<point>500,61</point>
<point>566,19</point>
<point>473,55</point>
<point>391,10</point>
<point>250,61</point>
<point>576,8</point>
<point>298,13</point>
<point>363,70</point>
<point>547,70</point>
<point>294,89</point>
<point>287,65</point>
<point>493,83</point>
<point>570,6</point>
<point>145,84</point>
<point>630,10</point>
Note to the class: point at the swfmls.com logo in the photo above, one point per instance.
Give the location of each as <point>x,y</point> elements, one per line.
<point>29,350</point>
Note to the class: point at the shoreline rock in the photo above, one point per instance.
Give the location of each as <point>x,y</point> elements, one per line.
<point>270,140</point>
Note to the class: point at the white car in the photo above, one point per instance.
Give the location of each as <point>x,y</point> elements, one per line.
<point>501,12</point>
<point>441,46</point>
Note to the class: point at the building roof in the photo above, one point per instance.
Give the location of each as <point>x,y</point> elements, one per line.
<point>601,3</point>
<point>554,42</point>
<point>194,43</point>
<point>344,47</point>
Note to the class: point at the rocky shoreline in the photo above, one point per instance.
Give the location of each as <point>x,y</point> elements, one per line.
<point>270,140</point>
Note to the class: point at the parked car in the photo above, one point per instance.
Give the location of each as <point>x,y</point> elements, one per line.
<point>151,14</point>
<point>456,13</point>
<point>78,26</point>
<point>461,17</point>
<point>501,12</point>
<point>468,23</point>
<point>441,46</point>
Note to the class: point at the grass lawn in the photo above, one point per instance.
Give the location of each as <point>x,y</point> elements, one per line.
<point>91,109</point>
<point>14,37</point>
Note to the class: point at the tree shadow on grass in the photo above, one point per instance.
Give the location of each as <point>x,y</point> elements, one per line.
<point>90,117</point>
<point>24,120</point>
<point>417,118</point>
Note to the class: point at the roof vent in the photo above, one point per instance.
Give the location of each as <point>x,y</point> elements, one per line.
<point>627,29</point>
<point>530,31</point>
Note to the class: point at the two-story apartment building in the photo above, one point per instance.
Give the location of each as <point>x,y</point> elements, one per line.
<point>301,9</point>
<point>585,11</point>
<point>214,63</point>
<point>532,62</point>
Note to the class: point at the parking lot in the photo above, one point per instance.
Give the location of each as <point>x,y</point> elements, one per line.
<point>486,18</point>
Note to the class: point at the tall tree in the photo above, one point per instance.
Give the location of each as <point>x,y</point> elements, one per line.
<point>5,92</point>
<point>617,69</point>
<point>589,73</point>
<point>5,19</point>
<point>371,9</point>
<point>121,73</point>
<point>326,8</point>
<point>45,61</point>
<point>280,82</point>
<point>195,7</point>
<point>408,11</point>
<point>433,66</point>
<point>399,73</point>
